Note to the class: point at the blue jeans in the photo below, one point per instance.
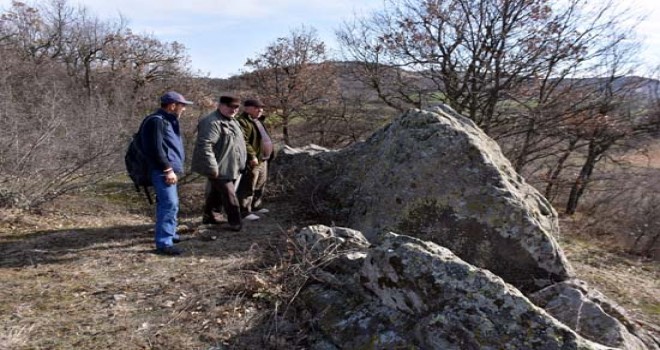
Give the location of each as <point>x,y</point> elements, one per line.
<point>167,208</point>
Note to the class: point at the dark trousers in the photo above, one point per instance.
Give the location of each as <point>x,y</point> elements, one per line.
<point>223,194</point>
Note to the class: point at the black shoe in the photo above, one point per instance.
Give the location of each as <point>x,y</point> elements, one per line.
<point>235,228</point>
<point>209,220</point>
<point>176,240</point>
<point>169,250</point>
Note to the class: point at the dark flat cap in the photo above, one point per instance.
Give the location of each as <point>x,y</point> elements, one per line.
<point>253,102</point>
<point>230,101</point>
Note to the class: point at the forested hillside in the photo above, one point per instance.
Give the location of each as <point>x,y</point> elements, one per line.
<point>557,86</point>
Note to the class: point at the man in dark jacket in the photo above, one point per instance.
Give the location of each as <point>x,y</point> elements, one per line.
<point>220,156</point>
<point>260,151</point>
<point>163,147</point>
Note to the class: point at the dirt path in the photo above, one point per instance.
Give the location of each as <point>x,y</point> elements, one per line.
<point>83,281</point>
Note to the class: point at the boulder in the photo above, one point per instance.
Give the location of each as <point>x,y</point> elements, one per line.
<point>436,176</point>
<point>593,315</point>
<point>340,250</point>
<point>412,294</point>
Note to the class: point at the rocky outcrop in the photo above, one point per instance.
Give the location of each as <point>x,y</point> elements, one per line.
<point>478,240</point>
<point>593,315</point>
<point>434,175</point>
<point>407,293</point>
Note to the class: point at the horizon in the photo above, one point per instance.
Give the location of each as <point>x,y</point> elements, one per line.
<point>198,25</point>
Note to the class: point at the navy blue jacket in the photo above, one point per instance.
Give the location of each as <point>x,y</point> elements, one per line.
<point>162,142</point>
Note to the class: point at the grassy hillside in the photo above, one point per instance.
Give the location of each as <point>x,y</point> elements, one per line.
<point>82,274</point>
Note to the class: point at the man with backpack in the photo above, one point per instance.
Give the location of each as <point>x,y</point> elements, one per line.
<point>163,148</point>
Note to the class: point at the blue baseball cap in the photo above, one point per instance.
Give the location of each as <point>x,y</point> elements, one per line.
<point>174,97</point>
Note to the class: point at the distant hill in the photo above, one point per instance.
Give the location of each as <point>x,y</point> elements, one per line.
<point>643,87</point>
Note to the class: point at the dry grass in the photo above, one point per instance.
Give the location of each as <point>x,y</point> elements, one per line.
<point>647,157</point>
<point>82,275</point>
<point>632,281</point>
<point>15,337</point>
<point>83,281</point>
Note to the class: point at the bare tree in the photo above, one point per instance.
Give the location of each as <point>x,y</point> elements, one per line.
<point>613,121</point>
<point>73,88</point>
<point>628,211</point>
<point>518,68</point>
<point>292,75</point>
<point>474,55</point>
<point>339,123</point>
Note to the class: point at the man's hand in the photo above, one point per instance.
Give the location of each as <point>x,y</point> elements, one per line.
<point>253,162</point>
<point>171,178</point>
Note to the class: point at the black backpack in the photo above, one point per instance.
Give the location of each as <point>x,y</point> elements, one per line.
<point>136,162</point>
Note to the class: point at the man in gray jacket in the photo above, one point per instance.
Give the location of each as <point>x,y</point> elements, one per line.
<point>220,155</point>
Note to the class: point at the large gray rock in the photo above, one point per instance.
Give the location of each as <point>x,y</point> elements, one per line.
<point>593,315</point>
<point>435,176</point>
<point>339,250</point>
<point>417,295</point>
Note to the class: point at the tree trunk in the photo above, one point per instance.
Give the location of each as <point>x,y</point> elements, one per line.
<point>553,174</point>
<point>580,184</point>
<point>521,159</point>
<point>285,130</point>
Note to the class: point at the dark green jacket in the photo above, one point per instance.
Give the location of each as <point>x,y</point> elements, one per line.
<point>252,137</point>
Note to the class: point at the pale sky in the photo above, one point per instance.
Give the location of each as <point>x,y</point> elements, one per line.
<point>220,35</point>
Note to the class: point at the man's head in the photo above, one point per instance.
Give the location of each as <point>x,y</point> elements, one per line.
<point>228,106</point>
<point>253,107</point>
<point>173,102</point>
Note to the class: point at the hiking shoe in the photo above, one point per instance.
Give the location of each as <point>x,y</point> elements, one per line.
<point>169,250</point>
<point>176,239</point>
<point>262,211</point>
<point>235,228</point>
<point>251,217</point>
